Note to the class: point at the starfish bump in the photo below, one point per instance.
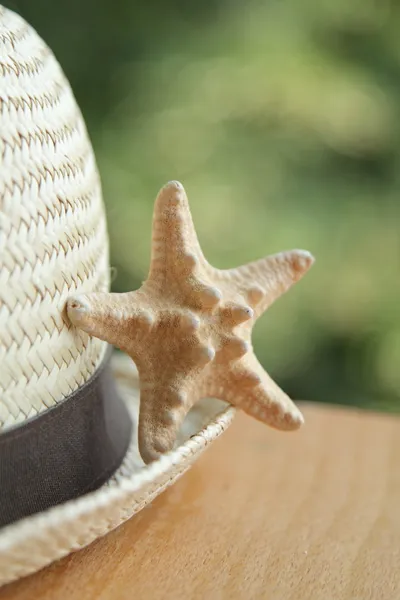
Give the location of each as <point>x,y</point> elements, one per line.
<point>188,328</point>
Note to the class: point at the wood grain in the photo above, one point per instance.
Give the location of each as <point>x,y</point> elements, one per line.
<point>304,516</point>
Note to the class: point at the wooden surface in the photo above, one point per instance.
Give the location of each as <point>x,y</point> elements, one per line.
<point>312,515</point>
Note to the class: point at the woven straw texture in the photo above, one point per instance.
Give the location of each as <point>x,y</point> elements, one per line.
<point>53,239</point>
<point>35,542</point>
<point>53,244</point>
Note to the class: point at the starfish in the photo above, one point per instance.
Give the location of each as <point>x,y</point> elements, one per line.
<point>188,328</point>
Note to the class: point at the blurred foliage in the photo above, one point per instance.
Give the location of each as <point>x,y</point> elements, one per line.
<point>281,118</point>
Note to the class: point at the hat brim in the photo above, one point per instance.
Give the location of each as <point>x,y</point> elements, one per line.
<point>34,542</point>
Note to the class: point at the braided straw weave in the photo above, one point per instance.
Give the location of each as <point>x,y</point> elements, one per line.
<point>33,543</point>
<point>53,243</point>
<point>53,240</point>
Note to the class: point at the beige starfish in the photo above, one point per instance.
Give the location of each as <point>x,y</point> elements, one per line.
<point>188,328</point>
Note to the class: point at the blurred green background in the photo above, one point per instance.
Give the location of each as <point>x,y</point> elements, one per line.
<point>282,120</point>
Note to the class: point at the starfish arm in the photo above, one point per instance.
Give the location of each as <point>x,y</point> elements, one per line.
<point>161,414</point>
<point>251,389</point>
<point>118,319</point>
<point>175,247</point>
<point>263,281</point>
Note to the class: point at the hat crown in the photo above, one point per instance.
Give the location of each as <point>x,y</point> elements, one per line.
<point>53,236</point>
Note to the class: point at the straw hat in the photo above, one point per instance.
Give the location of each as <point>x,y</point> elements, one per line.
<point>70,470</point>
<point>79,451</point>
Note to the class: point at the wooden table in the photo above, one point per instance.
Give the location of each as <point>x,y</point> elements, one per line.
<point>301,516</point>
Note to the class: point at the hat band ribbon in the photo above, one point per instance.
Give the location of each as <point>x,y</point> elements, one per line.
<point>65,452</point>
